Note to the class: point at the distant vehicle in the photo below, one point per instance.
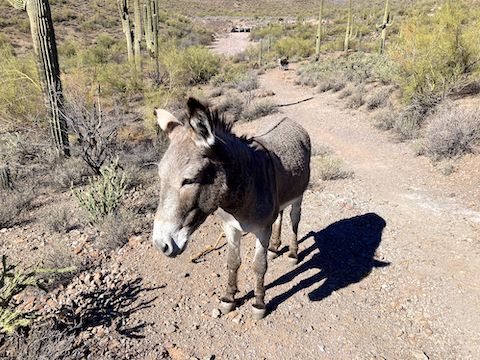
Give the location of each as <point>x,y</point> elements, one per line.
<point>241,29</point>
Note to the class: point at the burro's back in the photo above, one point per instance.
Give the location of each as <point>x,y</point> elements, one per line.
<point>289,144</point>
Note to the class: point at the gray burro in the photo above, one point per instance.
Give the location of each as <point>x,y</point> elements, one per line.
<point>248,181</point>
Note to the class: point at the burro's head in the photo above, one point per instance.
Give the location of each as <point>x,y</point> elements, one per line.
<point>192,179</point>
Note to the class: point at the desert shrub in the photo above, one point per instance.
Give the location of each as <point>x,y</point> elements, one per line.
<point>329,167</point>
<point>190,66</point>
<point>247,82</point>
<point>259,109</point>
<point>21,100</point>
<point>294,47</point>
<point>43,342</point>
<point>72,171</point>
<point>338,84</point>
<point>385,119</point>
<point>452,132</point>
<point>408,124</point>
<point>14,204</point>
<point>347,91</point>
<point>94,129</point>
<point>116,229</point>
<point>446,167</point>
<point>216,92</point>
<point>104,194</point>
<point>230,74</point>
<point>355,68</point>
<point>233,104</point>
<point>324,85</point>
<point>58,219</point>
<point>377,99</point>
<point>435,53</point>
<point>357,99</point>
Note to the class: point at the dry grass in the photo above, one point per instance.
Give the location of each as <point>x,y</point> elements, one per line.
<point>329,167</point>
<point>116,229</point>
<point>259,109</point>
<point>452,132</point>
<point>14,205</point>
<point>385,119</point>
<point>377,99</point>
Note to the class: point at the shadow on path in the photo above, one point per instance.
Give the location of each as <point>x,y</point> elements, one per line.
<point>343,255</point>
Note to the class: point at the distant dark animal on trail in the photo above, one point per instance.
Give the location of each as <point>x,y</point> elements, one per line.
<point>283,63</point>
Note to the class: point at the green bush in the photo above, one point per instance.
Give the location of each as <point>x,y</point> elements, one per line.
<point>190,66</point>
<point>103,196</point>
<point>20,90</point>
<point>438,53</point>
<point>294,47</point>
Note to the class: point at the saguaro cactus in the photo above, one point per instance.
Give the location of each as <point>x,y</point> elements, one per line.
<point>349,33</point>
<point>45,47</point>
<point>5,179</point>
<point>387,22</point>
<point>127,30</point>
<point>320,31</point>
<point>151,19</point>
<point>137,39</point>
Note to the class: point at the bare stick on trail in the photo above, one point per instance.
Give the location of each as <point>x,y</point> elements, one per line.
<point>296,102</point>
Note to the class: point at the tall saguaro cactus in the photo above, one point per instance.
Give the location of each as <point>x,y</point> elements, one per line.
<point>387,22</point>
<point>127,30</point>
<point>45,47</point>
<point>319,31</point>
<point>137,39</point>
<point>151,19</point>
<point>349,33</point>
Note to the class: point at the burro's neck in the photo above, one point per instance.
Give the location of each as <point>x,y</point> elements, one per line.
<point>250,180</point>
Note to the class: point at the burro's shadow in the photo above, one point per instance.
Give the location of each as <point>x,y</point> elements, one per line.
<point>343,255</point>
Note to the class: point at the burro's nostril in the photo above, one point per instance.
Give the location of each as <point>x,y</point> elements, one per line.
<point>164,247</point>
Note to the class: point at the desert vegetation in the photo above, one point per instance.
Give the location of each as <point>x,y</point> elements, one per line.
<point>79,143</point>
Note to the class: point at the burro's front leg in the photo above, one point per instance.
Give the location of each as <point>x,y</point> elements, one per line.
<point>260,268</point>
<point>227,302</point>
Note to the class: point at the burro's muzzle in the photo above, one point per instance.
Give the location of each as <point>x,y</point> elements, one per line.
<point>170,239</point>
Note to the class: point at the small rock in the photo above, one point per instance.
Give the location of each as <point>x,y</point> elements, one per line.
<point>134,241</point>
<point>237,319</point>
<point>216,313</point>
<point>170,329</point>
<point>209,357</point>
<point>78,249</point>
<point>420,355</point>
<point>4,230</point>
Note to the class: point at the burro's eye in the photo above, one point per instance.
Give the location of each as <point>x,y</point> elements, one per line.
<point>188,182</point>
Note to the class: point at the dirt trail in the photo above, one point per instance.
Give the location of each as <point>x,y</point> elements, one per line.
<point>389,260</point>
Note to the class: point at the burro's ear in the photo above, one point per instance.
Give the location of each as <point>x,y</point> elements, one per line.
<point>199,118</point>
<point>166,120</point>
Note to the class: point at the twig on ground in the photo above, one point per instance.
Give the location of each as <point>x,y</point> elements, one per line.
<point>209,249</point>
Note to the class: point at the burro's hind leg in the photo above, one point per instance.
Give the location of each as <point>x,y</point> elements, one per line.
<point>295,214</point>
<point>260,268</point>
<point>227,302</point>
<point>275,241</point>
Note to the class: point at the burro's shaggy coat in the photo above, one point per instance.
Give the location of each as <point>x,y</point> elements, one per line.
<point>248,181</point>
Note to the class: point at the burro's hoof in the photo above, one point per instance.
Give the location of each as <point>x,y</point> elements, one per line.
<point>292,260</point>
<point>226,306</point>
<point>272,255</point>
<point>259,312</point>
